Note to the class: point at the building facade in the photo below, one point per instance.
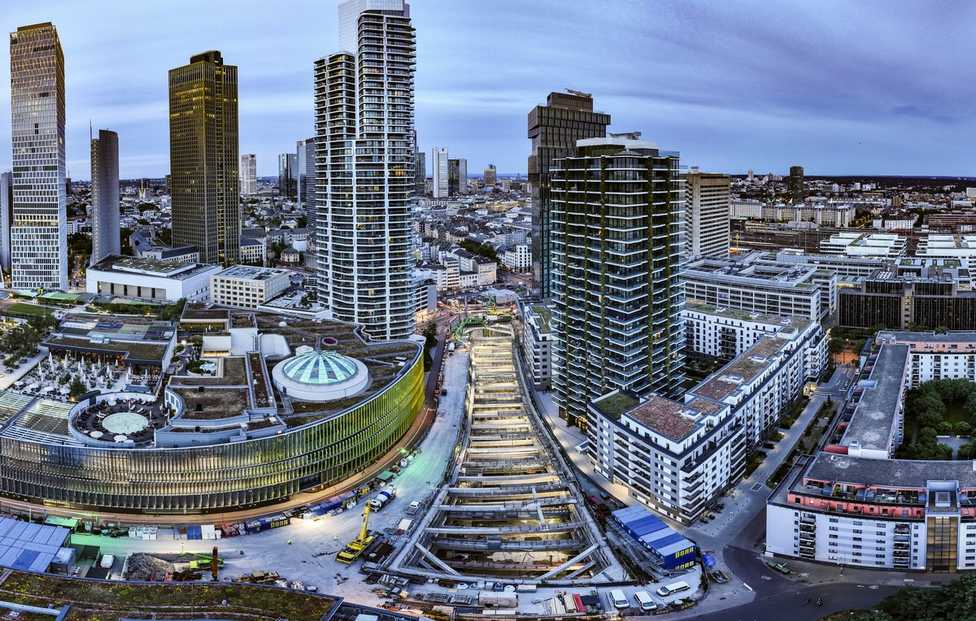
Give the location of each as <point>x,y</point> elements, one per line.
<point>364,168</point>
<point>106,237</point>
<point>707,201</point>
<point>246,286</point>
<point>795,184</point>
<point>554,129</point>
<point>491,176</point>
<point>249,174</point>
<point>535,339</point>
<point>616,208</point>
<point>457,176</point>
<point>420,173</point>
<point>203,153</point>
<point>38,233</point>
<point>439,161</point>
<point>150,280</point>
<point>287,170</point>
<point>305,173</point>
<point>6,218</point>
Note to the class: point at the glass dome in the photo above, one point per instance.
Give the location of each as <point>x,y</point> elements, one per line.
<point>320,368</point>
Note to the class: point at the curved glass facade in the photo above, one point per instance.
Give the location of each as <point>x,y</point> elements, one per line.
<point>218,477</point>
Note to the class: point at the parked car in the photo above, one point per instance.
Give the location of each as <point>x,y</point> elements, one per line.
<point>719,576</point>
<point>782,568</point>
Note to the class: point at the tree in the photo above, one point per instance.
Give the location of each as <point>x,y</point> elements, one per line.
<point>429,331</point>
<point>76,389</point>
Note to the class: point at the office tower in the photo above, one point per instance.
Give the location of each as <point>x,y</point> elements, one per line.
<point>287,183</point>
<point>203,154</point>
<point>457,176</point>
<point>305,178</point>
<point>249,174</point>
<point>6,218</point>
<point>616,207</point>
<point>491,175</point>
<point>796,184</point>
<point>554,129</point>
<point>438,160</point>
<point>38,235</point>
<point>364,168</point>
<point>420,172</point>
<point>707,204</point>
<point>105,195</point>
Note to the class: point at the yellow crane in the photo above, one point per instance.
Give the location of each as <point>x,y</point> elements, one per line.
<point>355,548</point>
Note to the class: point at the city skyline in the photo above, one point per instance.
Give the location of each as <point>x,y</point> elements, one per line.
<point>744,88</point>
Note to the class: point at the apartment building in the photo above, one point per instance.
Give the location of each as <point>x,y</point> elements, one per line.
<point>535,339</point>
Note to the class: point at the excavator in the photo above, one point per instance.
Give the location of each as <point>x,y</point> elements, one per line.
<point>355,548</point>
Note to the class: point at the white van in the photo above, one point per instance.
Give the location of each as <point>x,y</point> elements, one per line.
<point>617,599</point>
<point>674,587</point>
<point>645,601</point>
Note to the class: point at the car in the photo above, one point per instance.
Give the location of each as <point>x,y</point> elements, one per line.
<point>769,445</point>
<point>719,576</point>
<point>782,568</point>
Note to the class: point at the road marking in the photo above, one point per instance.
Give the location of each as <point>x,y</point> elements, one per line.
<point>748,587</point>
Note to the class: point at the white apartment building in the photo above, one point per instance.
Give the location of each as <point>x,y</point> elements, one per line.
<point>517,259</point>
<point>822,214</point>
<point>726,333</point>
<point>246,286</point>
<point>707,214</point>
<point>864,244</point>
<point>254,251</point>
<point>535,339</point>
<point>676,457</point>
<point>148,279</point>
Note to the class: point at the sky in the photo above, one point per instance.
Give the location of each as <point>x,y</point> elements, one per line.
<point>856,88</point>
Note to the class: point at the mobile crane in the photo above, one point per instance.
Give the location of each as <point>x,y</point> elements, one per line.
<point>355,548</point>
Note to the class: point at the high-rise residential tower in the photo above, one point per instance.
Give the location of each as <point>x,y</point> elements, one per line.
<point>795,184</point>
<point>554,129</point>
<point>707,203</point>
<point>491,175</point>
<point>106,238</point>
<point>6,218</point>
<point>305,178</point>
<point>249,174</point>
<point>365,168</point>
<point>204,156</point>
<point>39,231</point>
<point>616,256</point>
<point>420,172</point>
<point>438,160</point>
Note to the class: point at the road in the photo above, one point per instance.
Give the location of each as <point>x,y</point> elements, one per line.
<point>800,604</point>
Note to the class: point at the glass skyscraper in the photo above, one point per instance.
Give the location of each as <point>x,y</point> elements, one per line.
<point>39,232</point>
<point>554,129</point>
<point>204,158</point>
<point>365,168</point>
<point>106,238</point>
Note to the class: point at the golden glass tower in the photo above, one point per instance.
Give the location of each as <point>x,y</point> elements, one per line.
<point>204,159</point>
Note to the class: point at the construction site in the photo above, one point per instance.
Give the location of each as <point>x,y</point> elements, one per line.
<point>510,509</point>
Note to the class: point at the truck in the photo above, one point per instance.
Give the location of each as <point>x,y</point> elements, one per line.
<point>383,498</point>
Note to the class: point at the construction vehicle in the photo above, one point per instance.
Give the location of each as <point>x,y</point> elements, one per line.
<point>355,548</point>
<point>383,498</point>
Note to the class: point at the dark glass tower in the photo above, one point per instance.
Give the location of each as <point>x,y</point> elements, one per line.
<point>554,129</point>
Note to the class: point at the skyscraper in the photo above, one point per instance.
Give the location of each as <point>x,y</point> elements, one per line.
<point>287,183</point>
<point>457,176</point>
<point>438,160</point>
<point>249,174</point>
<point>365,168</point>
<point>796,184</point>
<point>491,175</point>
<point>420,172</point>
<point>305,178</point>
<point>554,129</point>
<point>707,203</point>
<point>39,231</point>
<point>6,218</point>
<point>106,239</point>
<point>203,156</point>
<point>616,255</point>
